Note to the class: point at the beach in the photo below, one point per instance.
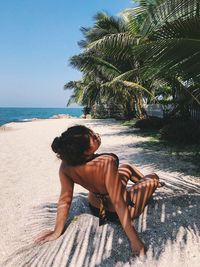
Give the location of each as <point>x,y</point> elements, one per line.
<point>30,188</point>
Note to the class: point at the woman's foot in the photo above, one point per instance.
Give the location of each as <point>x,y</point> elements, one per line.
<point>161,184</point>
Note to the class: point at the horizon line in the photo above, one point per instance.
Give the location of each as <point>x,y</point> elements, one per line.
<point>35,107</point>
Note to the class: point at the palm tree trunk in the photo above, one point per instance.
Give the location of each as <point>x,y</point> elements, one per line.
<point>140,106</point>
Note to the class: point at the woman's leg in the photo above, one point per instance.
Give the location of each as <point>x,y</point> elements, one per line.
<point>140,193</point>
<point>129,172</point>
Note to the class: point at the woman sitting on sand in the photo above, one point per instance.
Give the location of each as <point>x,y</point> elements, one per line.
<point>105,180</point>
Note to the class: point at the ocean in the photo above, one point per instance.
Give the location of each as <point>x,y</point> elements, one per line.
<point>28,114</point>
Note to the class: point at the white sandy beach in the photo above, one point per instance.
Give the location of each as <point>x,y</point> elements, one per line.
<point>170,225</point>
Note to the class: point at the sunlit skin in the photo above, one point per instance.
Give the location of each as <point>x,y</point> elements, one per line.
<point>103,176</point>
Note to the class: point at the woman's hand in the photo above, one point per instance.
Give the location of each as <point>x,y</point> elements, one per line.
<point>138,250</point>
<point>45,236</point>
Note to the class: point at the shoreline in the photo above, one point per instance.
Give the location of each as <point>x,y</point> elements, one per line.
<point>30,189</point>
<point>9,115</point>
<point>54,117</point>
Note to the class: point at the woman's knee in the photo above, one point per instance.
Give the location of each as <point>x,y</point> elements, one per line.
<point>148,182</point>
<point>152,176</point>
<point>126,165</point>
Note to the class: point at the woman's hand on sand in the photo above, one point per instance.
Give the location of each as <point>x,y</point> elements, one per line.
<point>45,236</point>
<point>138,250</point>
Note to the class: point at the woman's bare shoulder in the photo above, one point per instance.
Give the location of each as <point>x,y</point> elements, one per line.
<point>105,156</point>
<point>97,162</point>
<point>64,168</point>
<point>108,157</point>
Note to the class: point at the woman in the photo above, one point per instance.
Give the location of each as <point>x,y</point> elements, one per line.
<point>105,181</point>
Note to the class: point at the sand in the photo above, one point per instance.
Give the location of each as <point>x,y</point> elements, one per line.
<point>169,226</point>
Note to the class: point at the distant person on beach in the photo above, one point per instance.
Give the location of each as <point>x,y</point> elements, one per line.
<point>106,180</point>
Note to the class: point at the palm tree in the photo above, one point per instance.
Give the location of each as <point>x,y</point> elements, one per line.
<point>174,48</point>
<point>129,58</point>
<point>162,40</point>
<point>100,69</point>
<point>118,79</point>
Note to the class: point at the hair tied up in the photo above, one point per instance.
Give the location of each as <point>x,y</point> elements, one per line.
<point>56,145</point>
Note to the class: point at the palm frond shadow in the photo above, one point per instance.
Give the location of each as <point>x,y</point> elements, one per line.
<point>155,156</point>
<point>84,243</point>
<point>158,155</point>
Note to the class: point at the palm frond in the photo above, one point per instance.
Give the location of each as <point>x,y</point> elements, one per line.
<point>95,66</point>
<point>114,45</point>
<point>76,97</point>
<point>128,85</point>
<point>104,25</point>
<point>73,84</point>
<point>128,75</point>
<point>170,11</point>
<point>171,55</point>
<point>110,23</point>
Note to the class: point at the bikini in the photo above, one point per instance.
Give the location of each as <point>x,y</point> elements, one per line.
<point>101,212</point>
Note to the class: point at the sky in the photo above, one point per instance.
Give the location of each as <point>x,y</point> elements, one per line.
<point>37,38</point>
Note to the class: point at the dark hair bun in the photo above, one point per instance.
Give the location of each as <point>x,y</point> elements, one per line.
<point>56,145</point>
<point>72,144</point>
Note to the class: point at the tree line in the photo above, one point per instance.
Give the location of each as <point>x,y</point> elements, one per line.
<point>149,54</point>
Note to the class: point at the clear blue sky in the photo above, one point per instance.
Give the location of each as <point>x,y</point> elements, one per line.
<point>37,37</point>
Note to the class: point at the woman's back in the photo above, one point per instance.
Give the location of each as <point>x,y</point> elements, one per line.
<point>90,175</point>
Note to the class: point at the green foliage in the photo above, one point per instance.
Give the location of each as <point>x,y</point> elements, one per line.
<point>184,132</point>
<point>151,123</point>
<point>86,110</point>
<point>129,123</point>
<point>172,32</point>
<point>150,52</point>
<point>176,151</point>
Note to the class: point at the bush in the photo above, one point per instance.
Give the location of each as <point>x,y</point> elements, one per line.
<point>179,131</point>
<point>151,123</point>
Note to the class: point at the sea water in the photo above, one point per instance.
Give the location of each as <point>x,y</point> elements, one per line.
<point>27,114</point>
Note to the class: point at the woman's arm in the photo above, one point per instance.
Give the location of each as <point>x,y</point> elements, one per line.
<point>64,202</point>
<point>115,190</point>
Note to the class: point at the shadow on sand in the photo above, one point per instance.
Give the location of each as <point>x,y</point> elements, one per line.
<point>167,222</point>
<point>151,152</point>
<point>169,225</point>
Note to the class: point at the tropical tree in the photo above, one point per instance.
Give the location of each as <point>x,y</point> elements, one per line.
<point>99,69</point>
<point>173,33</point>
<point>153,45</point>
<point>168,38</point>
<point>118,80</point>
